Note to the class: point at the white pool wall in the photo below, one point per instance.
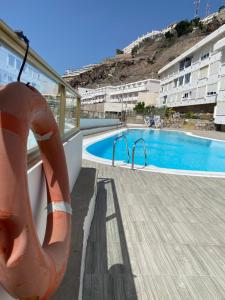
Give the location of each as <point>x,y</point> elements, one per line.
<point>90,123</point>
<point>92,126</point>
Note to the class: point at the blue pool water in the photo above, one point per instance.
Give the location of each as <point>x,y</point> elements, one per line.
<point>166,149</point>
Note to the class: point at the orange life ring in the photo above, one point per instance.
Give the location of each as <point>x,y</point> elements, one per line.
<point>28,269</point>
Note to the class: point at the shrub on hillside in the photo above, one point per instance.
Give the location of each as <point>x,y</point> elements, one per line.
<point>221,8</point>
<point>183,27</point>
<point>196,23</point>
<point>151,60</point>
<point>169,35</point>
<point>119,52</point>
<point>134,51</point>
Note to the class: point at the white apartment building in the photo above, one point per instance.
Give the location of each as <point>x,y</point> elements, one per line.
<point>123,97</point>
<point>153,35</point>
<point>70,73</point>
<point>195,81</point>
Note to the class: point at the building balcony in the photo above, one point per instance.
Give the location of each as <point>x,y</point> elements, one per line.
<point>192,101</point>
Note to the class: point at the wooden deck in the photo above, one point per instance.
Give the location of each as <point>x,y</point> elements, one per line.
<point>156,236</point>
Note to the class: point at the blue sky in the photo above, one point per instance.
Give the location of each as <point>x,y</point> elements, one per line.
<point>72,33</point>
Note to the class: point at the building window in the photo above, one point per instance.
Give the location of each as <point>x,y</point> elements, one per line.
<point>18,64</point>
<point>188,62</point>
<point>223,57</point>
<point>214,68</point>
<point>212,89</point>
<point>187,95</point>
<point>10,78</point>
<point>175,82</point>
<point>11,60</point>
<point>182,65</point>
<point>222,83</point>
<point>194,76</point>
<point>164,99</point>
<point>185,63</point>
<point>201,92</point>
<point>204,72</point>
<point>205,56</point>
<point>211,93</point>
<point>181,80</point>
<point>187,78</point>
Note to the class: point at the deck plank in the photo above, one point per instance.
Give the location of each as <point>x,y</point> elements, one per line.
<point>156,236</point>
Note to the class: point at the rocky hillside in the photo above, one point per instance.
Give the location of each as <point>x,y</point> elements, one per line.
<point>147,58</point>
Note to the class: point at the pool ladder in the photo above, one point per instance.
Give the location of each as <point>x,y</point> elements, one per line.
<point>128,152</point>
<point>114,148</point>
<point>133,151</point>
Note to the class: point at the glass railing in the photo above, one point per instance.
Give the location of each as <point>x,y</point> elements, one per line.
<point>61,97</point>
<point>86,114</point>
<point>70,112</point>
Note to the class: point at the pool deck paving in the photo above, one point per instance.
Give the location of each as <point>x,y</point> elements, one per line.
<point>212,134</point>
<point>204,133</point>
<point>155,236</point>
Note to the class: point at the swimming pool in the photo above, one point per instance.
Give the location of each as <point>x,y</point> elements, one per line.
<point>165,150</point>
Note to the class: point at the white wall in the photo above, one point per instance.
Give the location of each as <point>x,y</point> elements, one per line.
<point>98,129</point>
<point>148,98</point>
<point>90,123</point>
<point>117,106</point>
<point>37,188</point>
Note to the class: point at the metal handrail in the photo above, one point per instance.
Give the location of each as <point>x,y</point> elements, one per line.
<point>134,148</point>
<point>114,148</point>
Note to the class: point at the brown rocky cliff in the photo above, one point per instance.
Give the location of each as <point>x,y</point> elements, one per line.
<point>145,63</point>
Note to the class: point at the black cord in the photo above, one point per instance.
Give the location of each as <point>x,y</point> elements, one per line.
<point>25,39</point>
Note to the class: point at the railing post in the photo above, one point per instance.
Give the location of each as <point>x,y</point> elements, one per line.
<point>62,109</point>
<point>78,111</point>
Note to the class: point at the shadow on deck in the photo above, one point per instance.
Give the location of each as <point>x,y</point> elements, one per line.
<point>156,236</point>
<point>108,273</point>
<point>153,236</point>
<point>81,197</point>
